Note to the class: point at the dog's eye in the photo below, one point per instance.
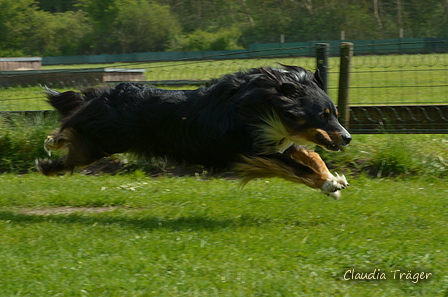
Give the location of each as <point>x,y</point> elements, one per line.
<point>323,117</point>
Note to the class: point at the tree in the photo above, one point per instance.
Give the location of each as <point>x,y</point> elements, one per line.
<point>217,40</point>
<point>55,6</point>
<point>128,26</point>
<point>26,30</point>
<point>71,27</point>
<point>143,26</point>
<point>14,21</point>
<point>56,34</point>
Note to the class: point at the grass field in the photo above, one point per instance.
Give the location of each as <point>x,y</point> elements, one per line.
<point>392,79</point>
<point>131,235</point>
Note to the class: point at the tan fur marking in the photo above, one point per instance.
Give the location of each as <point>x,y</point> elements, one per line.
<point>257,167</point>
<point>314,161</point>
<point>53,142</point>
<point>335,136</point>
<point>311,135</point>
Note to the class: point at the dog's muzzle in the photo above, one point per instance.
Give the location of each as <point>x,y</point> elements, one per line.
<point>338,139</point>
<point>346,138</point>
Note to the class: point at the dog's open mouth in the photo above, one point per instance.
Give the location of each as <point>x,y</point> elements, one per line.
<point>333,147</point>
<point>327,143</point>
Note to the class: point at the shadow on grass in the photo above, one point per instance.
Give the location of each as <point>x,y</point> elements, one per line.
<point>141,222</point>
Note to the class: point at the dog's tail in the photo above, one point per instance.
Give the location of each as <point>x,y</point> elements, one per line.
<point>65,103</point>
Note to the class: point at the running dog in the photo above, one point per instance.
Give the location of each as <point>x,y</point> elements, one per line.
<point>256,123</point>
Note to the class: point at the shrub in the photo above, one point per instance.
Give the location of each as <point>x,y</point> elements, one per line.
<point>21,140</point>
<point>395,158</point>
<point>199,40</point>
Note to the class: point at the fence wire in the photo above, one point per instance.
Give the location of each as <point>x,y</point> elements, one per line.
<point>382,75</point>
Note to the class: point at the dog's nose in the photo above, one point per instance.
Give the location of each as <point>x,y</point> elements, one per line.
<point>346,138</point>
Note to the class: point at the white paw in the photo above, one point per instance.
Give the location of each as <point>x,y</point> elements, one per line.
<point>333,184</point>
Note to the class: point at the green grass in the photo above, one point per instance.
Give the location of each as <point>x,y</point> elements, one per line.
<point>392,155</point>
<point>21,140</point>
<point>131,235</point>
<point>392,79</point>
<point>22,99</point>
<point>195,237</point>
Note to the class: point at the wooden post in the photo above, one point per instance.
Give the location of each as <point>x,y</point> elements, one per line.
<point>344,83</point>
<point>322,50</point>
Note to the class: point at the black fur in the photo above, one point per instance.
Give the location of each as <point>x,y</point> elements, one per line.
<point>215,126</point>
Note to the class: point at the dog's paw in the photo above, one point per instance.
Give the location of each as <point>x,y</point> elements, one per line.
<point>43,166</point>
<point>336,194</point>
<point>334,184</point>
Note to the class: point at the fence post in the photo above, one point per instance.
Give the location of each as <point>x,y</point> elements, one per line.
<point>322,50</point>
<point>344,83</point>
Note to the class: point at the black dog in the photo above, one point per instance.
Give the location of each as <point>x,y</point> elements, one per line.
<point>254,123</point>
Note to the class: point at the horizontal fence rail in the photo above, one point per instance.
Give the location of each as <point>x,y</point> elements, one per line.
<point>407,119</point>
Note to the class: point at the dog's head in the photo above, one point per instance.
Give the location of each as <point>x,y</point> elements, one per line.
<point>297,110</point>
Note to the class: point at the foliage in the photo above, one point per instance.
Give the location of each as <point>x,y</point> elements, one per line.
<point>199,40</point>
<point>26,30</point>
<point>14,23</point>
<point>145,26</point>
<point>396,158</point>
<point>265,21</point>
<point>21,140</point>
<point>389,155</point>
<point>60,27</point>
<point>118,26</point>
<point>128,26</point>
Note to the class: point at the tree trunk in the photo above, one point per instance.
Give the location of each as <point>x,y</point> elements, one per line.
<point>376,13</point>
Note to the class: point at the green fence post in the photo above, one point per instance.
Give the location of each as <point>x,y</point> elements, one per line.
<point>344,83</point>
<point>322,51</point>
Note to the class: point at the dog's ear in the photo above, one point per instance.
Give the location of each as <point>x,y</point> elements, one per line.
<point>287,89</point>
<point>270,74</point>
<point>318,80</point>
<point>275,76</point>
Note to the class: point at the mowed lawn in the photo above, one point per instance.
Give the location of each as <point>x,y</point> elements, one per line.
<point>132,235</point>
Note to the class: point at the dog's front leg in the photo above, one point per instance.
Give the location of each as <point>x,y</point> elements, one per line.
<point>329,184</point>
<point>296,164</point>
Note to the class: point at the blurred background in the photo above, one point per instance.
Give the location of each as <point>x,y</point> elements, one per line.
<point>90,27</point>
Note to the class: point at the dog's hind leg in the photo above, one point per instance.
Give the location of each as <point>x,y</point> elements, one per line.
<point>81,153</point>
<point>51,167</point>
<point>55,141</point>
<point>67,162</point>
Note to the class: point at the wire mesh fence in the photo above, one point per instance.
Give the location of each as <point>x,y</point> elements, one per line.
<point>404,92</point>
<point>384,87</point>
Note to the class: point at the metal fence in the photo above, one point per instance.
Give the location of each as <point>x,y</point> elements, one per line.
<point>405,91</point>
<point>400,93</point>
